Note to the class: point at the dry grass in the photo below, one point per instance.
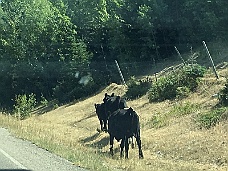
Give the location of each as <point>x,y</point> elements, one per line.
<point>71,131</point>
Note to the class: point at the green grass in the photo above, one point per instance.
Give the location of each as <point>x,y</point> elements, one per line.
<point>211,118</point>
<point>184,108</point>
<point>179,109</point>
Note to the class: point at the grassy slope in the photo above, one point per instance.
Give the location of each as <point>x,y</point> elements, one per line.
<point>71,131</point>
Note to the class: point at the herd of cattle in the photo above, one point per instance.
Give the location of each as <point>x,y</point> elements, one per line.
<point>120,122</point>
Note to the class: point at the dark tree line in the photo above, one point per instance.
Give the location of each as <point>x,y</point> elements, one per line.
<point>44,43</point>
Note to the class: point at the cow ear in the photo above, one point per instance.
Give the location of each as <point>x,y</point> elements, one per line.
<point>130,109</point>
<point>112,95</point>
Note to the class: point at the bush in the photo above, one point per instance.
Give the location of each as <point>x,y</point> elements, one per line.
<point>176,83</point>
<point>163,89</point>
<point>211,118</point>
<point>43,100</point>
<point>182,92</point>
<point>24,105</point>
<point>223,95</point>
<point>137,88</point>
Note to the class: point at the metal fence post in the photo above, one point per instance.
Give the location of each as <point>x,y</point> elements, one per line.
<point>121,75</point>
<point>209,55</point>
<point>179,55</point>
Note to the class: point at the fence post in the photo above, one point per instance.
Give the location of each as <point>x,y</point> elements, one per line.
<point>209,55</point>
<point>121,75</point>
<point>179,54</point>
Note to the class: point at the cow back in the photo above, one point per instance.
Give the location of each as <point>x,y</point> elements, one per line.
<point>123,122</point>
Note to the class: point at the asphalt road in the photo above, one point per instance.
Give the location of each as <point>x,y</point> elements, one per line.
<point>17,154</point>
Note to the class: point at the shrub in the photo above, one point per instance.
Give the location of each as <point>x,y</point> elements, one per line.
<point>182,92</point>
<point>24,105</point>
<point>189,75</point>
<point>163,89</point>
<point>194,70</point>
<point>223,95</point>
<point>43,100</point>
<point>168,87</point>
<point>211,118</point>
<point>137,88</point>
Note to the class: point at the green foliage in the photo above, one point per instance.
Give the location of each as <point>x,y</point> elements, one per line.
<point>211,118</point>
<point>158,121</point>
<point>194,70</point>
<point>43,100</point>
<point>182,92</point>
<point>42,48</point>
<point>178,110</point>
<point>163,89</point>
<point>168,87</point>
<point>70,89</point>
<point>181,109</point>
<point>137,88</point>
<point>223,95</point>
<point>145,30</point>
<point>46,42</point>
<point>24,104</point>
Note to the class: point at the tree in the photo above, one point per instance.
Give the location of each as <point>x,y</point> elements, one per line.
<point>42,47</point>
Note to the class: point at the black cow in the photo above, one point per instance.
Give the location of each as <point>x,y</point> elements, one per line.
<point>112,103</point>
<point>102,116</point>
<point>104,110</point>
<point>123,124</point>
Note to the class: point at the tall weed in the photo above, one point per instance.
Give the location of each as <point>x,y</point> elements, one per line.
<point>24,104</point>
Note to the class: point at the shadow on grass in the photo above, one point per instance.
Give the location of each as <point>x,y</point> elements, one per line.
<point>43,109</point>
<point>98,144</point>
<point>46,108</point>
<point>102,143</point>
<point>91,138</point>
<point>83,119</point>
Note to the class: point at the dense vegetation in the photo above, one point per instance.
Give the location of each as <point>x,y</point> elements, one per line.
<point>64,49</point>
<point>177,83</point>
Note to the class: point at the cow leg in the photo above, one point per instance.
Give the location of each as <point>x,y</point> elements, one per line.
<point>122,147</point>
<point>111,144</point>
<point>138,140</point>
<point>132,142</point>
<point>101,124</point>
<point>105,125</point>
<point>126,147</point>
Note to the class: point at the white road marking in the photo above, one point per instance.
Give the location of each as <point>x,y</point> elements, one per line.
<point>12,159</point>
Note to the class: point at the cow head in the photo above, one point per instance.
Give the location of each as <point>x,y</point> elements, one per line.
<point>107,97</point>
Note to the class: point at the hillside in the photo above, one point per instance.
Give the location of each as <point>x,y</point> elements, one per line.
<point>171,137</point>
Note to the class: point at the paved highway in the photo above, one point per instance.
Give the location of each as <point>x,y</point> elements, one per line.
<point>16,154</point>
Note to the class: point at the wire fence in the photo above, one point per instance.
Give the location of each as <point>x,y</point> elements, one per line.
<point>104,70</point>
<point>129,69</point>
